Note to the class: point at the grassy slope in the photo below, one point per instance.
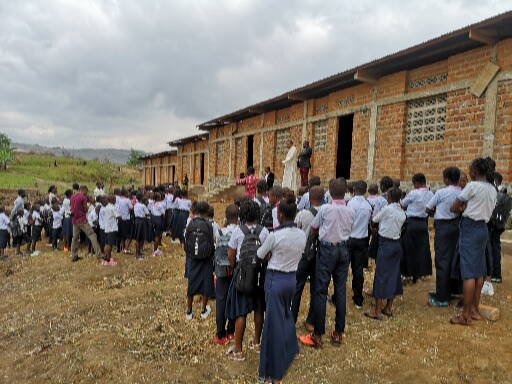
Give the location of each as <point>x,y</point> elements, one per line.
<point>38,171</point>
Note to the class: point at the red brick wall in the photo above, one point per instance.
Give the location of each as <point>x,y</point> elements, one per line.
<point>503,137</point>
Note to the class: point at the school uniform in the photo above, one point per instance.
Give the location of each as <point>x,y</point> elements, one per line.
<point>19,203</point>
<point>481,200</point>
<point>417,259</point>
<point>92,219</point>
<point>169,198</point>
<point>261,200</point>
<point>275,218</point>
<point>4,230</point>
<point>446,225</point>
<point>200,272</point>
<point>387,281</point>
<point>221,294</point>
<point>101,223</point>
<point>157,210</point>
<point>181,215</point>
<point>239,304</point>
<point>306,269</point>
<point>279,344</point>
<point>27,235</point>
<point>124,207</point>
<point>377,202</point>
<point>67,224</point>
<point>139,230</point>
<point>58,217</point>
<point>334,222</point>
<point>110,223</point>
<point>19,231</point>
<point>358,244</point>
<point>304,202</point>
<point>37,226</point>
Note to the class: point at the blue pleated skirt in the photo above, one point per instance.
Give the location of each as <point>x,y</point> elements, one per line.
<point>387,281</point>
<point>200,277</point>
<point>472,244</point>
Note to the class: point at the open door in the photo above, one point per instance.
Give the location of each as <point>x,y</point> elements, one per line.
<point>250,151</point>
<point>344,153</point>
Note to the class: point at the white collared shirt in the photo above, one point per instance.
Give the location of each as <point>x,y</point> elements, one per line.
<point>110,218</point>
<point>363,211</point>
<point>334,222</point>
<point>481,198</point>
<point>287,245</point>
<point>442,202</point>
<point>391,218</point>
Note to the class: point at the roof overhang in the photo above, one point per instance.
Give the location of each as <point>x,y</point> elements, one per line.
<point>189,139</point>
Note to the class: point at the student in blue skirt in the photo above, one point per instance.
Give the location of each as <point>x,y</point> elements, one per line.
<point>480,197</point>
<point>446,225</point>
<point>67,225</point>
<point>238,304</point>
<point>140,212</point>
<point>158,221</point>
<point>283,248</point>
<point>387,282</point>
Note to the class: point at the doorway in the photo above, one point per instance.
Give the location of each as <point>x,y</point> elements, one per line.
<point>250,151</point>
<point>202,168</point>
<point>173,174</point>
<point>344,153</point>
<point>154,176</point>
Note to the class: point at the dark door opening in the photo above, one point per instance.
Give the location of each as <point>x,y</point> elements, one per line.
<point>344,154</point>
<point>154,176</point>
<point>202,168</point>
<point>173,173</point>
<point>250,151</point>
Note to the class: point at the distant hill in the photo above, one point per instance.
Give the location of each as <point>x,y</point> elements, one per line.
<point>118,156</point>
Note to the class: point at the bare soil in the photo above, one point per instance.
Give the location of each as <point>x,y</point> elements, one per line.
<point>83,323</point>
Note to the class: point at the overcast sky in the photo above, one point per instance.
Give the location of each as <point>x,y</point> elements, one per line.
<point>132,73</point>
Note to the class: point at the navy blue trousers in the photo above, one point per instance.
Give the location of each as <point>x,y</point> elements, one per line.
<point>221,295</point>
<point>332,261</point>
<point>387,281</point>
<point>445,244</point>
<point>279,344</point>
<point>358,261</point>
<point>306,269</point>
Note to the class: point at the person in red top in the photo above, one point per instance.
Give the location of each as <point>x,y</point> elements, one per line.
<point>79,220</point>
<point>250,181</point>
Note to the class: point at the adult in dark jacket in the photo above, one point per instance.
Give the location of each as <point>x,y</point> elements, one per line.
<point>269,177</point>
<point>304,163</point>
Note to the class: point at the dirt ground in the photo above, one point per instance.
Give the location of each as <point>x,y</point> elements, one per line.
<point>84,323</point>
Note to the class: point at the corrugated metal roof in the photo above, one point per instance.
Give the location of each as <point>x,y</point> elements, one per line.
<point>430,51</point>
<point>159,154</point>
<point>189,139</point>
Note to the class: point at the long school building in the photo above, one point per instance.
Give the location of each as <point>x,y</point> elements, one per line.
<point>440,103</point>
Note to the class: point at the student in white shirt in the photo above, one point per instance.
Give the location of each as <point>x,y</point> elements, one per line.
<point>36,224</point>
<point>446,224</point>
<point>358,242</point>
<point>140,212</point>
<point>387,281</point>
<point>378,202</point>
<point>4,231</point>
<point>111,227</point>
<point>157,210</point>
<point>480,197</point>
<point>67,225</point>
<point>57,217</point>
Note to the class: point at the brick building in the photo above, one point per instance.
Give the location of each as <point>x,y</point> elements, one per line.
<point>439,103</point>
<point>160,168</point>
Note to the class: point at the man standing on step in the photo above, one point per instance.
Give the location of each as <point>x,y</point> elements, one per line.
<point>305,163</point>
<point>79,220</point>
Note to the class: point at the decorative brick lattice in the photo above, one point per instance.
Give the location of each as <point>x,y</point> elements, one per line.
<point>426,119</point>
<point>346,101</point>
<point>239,148</point>
<point>320,129</point>
<point>439,78</point>
<point>282,140</point>
<point>322,108</point>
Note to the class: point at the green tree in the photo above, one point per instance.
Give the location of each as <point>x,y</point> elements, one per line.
<point>135,158</point>
<point>6,151</point>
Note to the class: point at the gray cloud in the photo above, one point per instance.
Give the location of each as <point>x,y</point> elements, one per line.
<point>131,73</point>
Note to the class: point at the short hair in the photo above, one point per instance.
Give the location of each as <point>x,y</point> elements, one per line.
<point>302,190</point>
<point>68,193</point>
<point>360,187</point>
<point>202,208</point>
<point>287,207</point>
<point>396,183</point>
<point>111,199</point>
<point>277,192</point>
<point>262,187</point>
<point>419,178</point>
<point>211,211</point>
<point>452,174</point>
<point>484,168</point>
<point>373,189</point>
<point>117,191</point>
<point>394,195</point>
<point>193,207</point>
<point>314,181</point>
<point>21,192</point>
<point>316,193</point>
<point>338,188</point>
<point>84,188</point>
<point>251,170</point>
<point>386,183</point>
<point>249,211</point>
<point>498,178</point>
<point>232,212</point>
<point>139,196</point>
<point>75,186</point>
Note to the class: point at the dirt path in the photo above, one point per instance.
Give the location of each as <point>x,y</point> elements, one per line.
<point>84,323</point>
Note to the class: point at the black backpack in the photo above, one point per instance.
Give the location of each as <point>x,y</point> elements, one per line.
<point>313,241</point>
<point>199,239</point>
<point>249,266</point>
<point>501,212</point>
<point>222,263</point>
<point>266,219</point>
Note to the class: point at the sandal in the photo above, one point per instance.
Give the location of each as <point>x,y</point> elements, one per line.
<point>233,355</point>
<point>432,302</point>
<point>254,347</point>
<point>373,316</point>
<point>336,339</point>
<point>310,341</point>
<point>460,320</point>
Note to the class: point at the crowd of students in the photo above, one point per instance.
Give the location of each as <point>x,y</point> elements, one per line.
<point>273,242</point>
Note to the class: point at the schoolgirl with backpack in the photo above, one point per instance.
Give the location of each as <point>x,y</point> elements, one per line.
<point>199,249</point>
<point>246,293</point>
